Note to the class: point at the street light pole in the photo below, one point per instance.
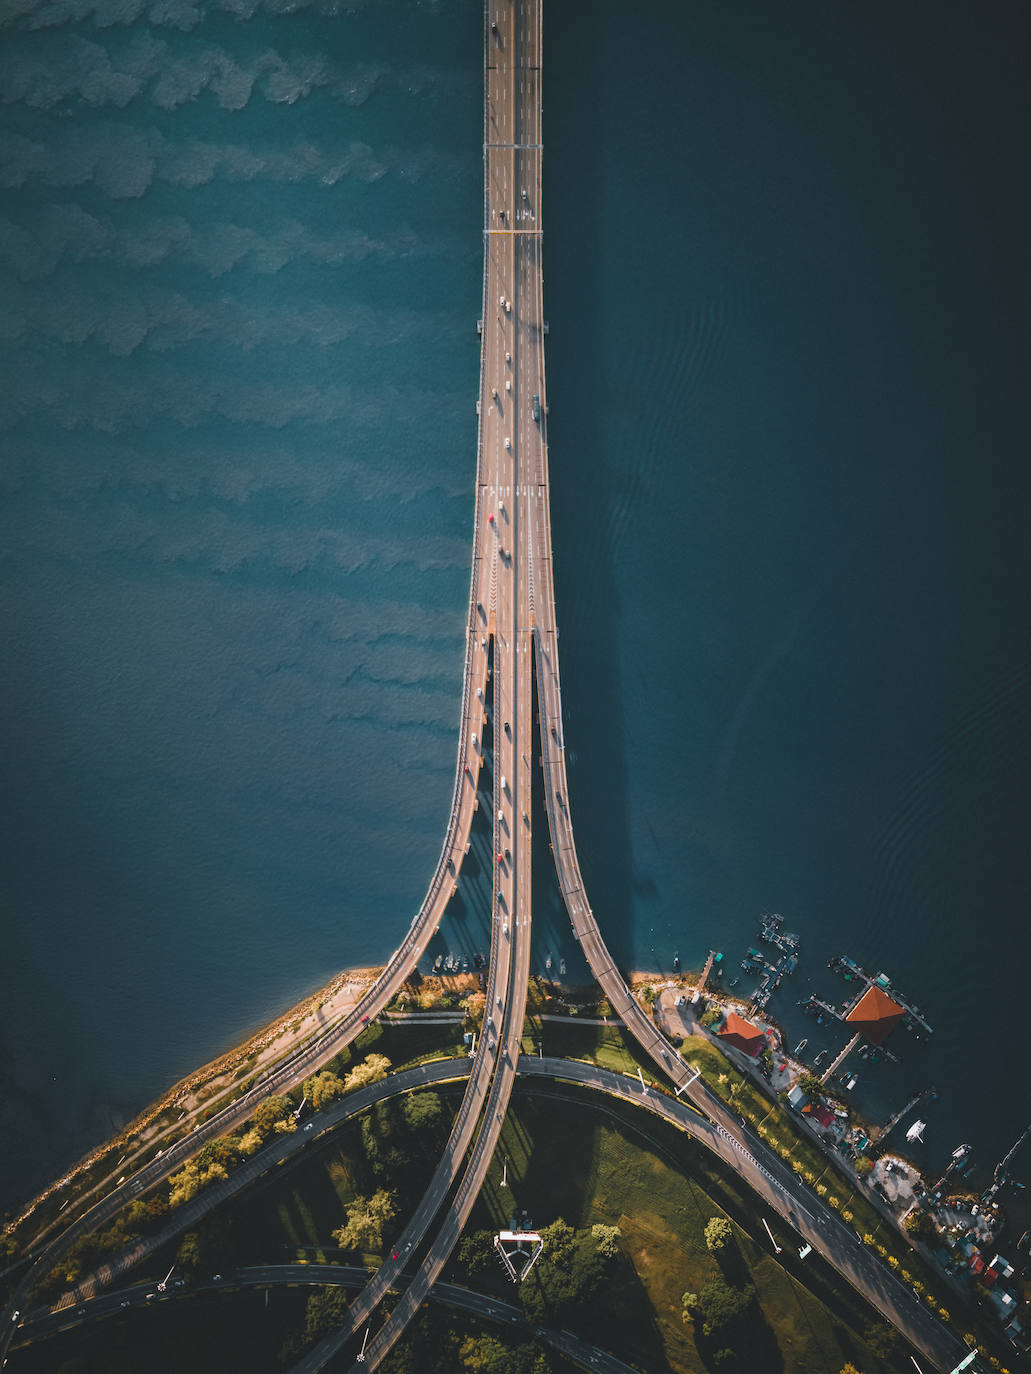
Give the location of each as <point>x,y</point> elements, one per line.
<point>776,1247</point>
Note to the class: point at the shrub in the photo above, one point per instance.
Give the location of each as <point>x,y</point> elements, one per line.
<point>718,1234</point>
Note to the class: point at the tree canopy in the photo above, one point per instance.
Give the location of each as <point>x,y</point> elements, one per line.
<point>718,1234</point>
<point>568,1273</point>
<point>323,1088</point>
<point>372,1069</point>
<point>719,1305</point>
<point>367,1219</point>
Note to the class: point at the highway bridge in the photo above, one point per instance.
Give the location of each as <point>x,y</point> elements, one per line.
<point>802,1212</point>
<point>512,613</point>
<point>41,1325</point>
<point>511,475</point>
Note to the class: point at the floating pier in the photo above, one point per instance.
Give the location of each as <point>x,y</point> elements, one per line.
<point>837,1063</point>
<point>925,1095</point>
<point>912,1017</point>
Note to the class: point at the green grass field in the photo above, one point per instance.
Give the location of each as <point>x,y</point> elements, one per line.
<point>568,1159</point>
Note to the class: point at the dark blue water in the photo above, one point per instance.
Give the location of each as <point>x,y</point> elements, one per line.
<point>240,261</point>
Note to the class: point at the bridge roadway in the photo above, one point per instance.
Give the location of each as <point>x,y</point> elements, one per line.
<point>512,597</point>
<point>511,374</point>
<point>43,1325</point>
<point>796,1204</point>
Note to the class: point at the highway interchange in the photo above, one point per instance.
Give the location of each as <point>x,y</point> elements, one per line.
<point>512,617</point>
<point>802,1213</point>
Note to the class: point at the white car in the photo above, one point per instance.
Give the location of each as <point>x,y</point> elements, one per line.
<point>508,443</point>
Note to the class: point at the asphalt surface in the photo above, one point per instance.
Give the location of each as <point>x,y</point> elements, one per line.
<point>487,1308</point>
<point>511,463</point>
<point>804,1217</point>
<point>512,604</point>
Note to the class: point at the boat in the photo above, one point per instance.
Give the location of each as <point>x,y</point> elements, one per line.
<point>562,967</point>
<point>733,982</point>
<point>547,962</point>
<point>437,963</point>
<point>676,963</point>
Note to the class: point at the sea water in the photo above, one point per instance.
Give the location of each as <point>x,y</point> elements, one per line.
<point>241,260</point>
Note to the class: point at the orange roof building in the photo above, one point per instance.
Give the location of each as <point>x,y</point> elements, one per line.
<point>741,1034</point>
<point>875,1015</point>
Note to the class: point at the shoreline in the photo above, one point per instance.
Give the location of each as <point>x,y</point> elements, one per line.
<point>193,1094</point>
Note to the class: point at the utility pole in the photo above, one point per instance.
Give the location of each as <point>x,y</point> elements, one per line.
<point>776,1247</point>
<point>685,1085</point>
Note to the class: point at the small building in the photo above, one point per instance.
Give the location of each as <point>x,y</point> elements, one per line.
<point>875,1015</point>
<point>820,1113</point>
<point>741,1035</point>
<point>797,1098</point>
<point>1004,1304</point>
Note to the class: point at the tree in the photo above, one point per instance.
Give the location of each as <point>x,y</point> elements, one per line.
<point>250,1142</point>
<point>476,1253</point>
<point>474,1006</point>
<point>190,1256</point>
<point>568,1274</point>
<point>367,1218</point>
<point>326,1310</point>
<point>810,1085</point>
<point>423,1111</point>
<point>268,1113</point>
<point>607,1239</point>
<point>920,1226</point>
<point>721,1305</point>
<point>387,1141</point>
<point>487,1355</point>
<point>864,1166</point>
<point>882,1338</point>
<point>712,1015</point>
<point>849,1369</point>
<point>323,1088</point>
<point>191,1178</point>
<point>718,1234</point>
<point>648,993</point>
<point>373,1069</point>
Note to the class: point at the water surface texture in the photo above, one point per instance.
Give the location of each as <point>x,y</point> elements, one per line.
<point>240,264</point>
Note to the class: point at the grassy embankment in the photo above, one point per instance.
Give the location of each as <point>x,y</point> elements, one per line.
<point>610,1047</point>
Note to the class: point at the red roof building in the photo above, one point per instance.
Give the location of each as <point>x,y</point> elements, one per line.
<point>820,1113</point>
<point>741,1034</point>
<point>875,1015</point>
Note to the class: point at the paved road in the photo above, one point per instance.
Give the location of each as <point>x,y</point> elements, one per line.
<point>512,604</point>
<point>43,1325</point>
<point>511,444</point>
<point>797,1205</point>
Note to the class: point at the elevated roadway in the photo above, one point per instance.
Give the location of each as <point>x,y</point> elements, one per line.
<point>40,1326</point>
<point>800,1209</point>
<point>510,442</point>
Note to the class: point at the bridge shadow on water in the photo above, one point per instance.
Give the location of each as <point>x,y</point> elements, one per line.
<point>465,926</point>
<point>583,490</point>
